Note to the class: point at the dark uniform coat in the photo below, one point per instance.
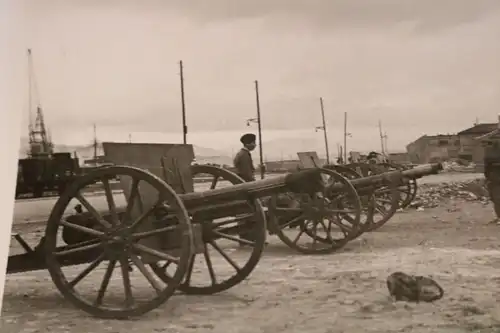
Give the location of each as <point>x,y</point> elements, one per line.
<point>244,165</point>
<point>492,174</point>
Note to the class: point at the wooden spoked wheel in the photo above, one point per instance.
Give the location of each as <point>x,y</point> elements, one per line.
<point>233,245</point>
<point>386,199</point>
<point>366,200</point>
<point>407,191</point>
<point>382,208</point>
<point>332,216</point>
<point>126,240</point>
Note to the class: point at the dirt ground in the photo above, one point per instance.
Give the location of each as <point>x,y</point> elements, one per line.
<point>342,292</point>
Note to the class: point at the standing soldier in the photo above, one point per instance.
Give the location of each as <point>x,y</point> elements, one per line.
<point>492,175</point>
<point>243,159</point>
<point>244,167</point>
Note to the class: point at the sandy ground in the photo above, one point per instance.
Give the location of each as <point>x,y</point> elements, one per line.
<point>342,292</point>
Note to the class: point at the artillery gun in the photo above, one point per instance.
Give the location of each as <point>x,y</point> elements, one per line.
<point>160,230</point>
<point>380,192</point>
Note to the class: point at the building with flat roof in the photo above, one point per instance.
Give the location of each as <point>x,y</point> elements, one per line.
<point>433,148</point>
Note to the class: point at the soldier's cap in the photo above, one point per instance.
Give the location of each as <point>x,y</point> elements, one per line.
<point>372,154</point>
<point>248,138</point>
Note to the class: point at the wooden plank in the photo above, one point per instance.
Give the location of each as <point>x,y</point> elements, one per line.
<point>171,162</point>
<point>309,159</point>
<point>177,171</point>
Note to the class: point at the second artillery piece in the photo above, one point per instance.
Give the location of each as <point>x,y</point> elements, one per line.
<point>380,193</point>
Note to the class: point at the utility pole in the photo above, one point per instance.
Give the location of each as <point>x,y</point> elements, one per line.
<point>381,138</point>
<point>345,137</point>
<point>95,143</point>
<point>385,144</point>
<point>323,128</point>
<point>259,128</point>
<point>183,101</point>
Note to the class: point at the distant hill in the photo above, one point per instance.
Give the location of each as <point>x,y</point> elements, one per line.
<point>287,148</point>
<point>203,154</point>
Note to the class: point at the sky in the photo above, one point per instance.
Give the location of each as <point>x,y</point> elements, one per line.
<point>418,66</point>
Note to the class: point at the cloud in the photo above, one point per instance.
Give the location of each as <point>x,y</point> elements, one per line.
<point>410,63</point>
<point>428,15</point>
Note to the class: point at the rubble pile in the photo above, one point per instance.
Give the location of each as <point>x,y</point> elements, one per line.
<point>459,166</point>
<point>431,195</point>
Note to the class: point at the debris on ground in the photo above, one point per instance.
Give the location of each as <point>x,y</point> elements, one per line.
<point>432,195</point>
<point>457,165</point>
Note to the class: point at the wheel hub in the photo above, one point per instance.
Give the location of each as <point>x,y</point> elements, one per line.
<point>116,242</point>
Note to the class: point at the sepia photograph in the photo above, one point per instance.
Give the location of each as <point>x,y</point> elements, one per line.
<point>253,166</point>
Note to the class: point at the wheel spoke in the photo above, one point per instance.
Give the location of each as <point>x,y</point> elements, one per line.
<point>85,243</point>
<point>134,192</point>
<point>156,253</point>
<point>78,249</point>
<point>383,200</point>
<point>142,268</point>
<point>236,219</point>
<point>105,282</point>
<point>127,285</point>
<point>339,211</point>
<point>301,232</point>
<point>315,234</point>
<point>292,221</point>
<point>111,202</point>
<point>380,209</point>
<point>327,231</point>
<point>341,225</point>
<point>83,229</point>
<point>214,182</point>
<point>87,270</point>
<point>145,234</point>
<point>225,256</point>
<point>210,267</point>
<point>234,239</point>
<point>95,214</point>
<point>189,272</point>
<point>144,216</point>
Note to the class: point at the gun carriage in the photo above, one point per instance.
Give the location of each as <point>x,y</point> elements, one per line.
<point>407,191</point>
<point>380,191</point>
<point>163,232</point>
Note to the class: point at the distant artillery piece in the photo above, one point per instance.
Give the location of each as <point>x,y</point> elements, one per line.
<point>408,191</point>
<point>380,200</point>
<point>380,192</point>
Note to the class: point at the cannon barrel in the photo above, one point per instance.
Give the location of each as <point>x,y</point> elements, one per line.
<point>397,177</point>
<point>423,170</point>
<point>302,181</point>
<point>233,200</point>
<point>381,179</point>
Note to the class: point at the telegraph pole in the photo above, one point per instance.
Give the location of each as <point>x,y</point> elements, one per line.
<point>184,126</point>
<point>385,144</point>
<point>95,143</point>
<point>323,128</point>
<point>259,124</point>
<point>259,129</point>
<point>381,138</point>
<point>345,137</point>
